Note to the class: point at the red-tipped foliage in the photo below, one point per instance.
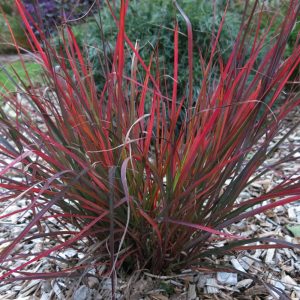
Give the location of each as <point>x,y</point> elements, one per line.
<point>138,168</point>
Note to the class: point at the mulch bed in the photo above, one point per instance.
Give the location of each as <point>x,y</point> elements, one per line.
<point>278,267</point>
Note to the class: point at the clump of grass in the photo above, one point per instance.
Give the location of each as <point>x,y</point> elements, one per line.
<point>154,177</point>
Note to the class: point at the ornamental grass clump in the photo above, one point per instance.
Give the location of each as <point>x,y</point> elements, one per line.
<point>155,178</point>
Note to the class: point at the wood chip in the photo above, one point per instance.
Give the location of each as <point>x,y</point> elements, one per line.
<point>236,264</point>
<point>158,297</point>
<point>211,286</point>
<point>227,278</point>
<point>83,293</point>
<point>92,282</point>
<point>288,280</point>
<point>278,284</point>
<point>246,262</point>
<point>29,288</point>
<point>202,280</point>
<point>244,283</point>
<point>3,246</point>
<point>70,253</point>
<point>57,290</point>
<point>256,290</point>
<point>46,296</point>
<point>192,292</point>
<point>292,213</point>
<point>269,256</point>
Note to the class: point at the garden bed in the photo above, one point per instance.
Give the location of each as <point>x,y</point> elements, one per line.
<point>151,181</point>
<point>278,267</point>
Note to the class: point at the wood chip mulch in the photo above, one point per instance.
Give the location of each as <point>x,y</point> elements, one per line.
<point>278,267</point>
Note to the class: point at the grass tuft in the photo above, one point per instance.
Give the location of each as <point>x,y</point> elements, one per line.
<point>154,177</point>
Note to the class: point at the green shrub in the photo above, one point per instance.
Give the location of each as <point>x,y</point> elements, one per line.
<point>7,6</point>
<point>151,23</point>
<point>6,42</point>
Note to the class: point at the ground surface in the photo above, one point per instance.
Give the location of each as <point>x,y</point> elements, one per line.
<point>279,267</point>
<point>12,65</point>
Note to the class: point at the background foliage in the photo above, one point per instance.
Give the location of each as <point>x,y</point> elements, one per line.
<point>151,24</point>
<point>50,14</point>
<point>6,42</point>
